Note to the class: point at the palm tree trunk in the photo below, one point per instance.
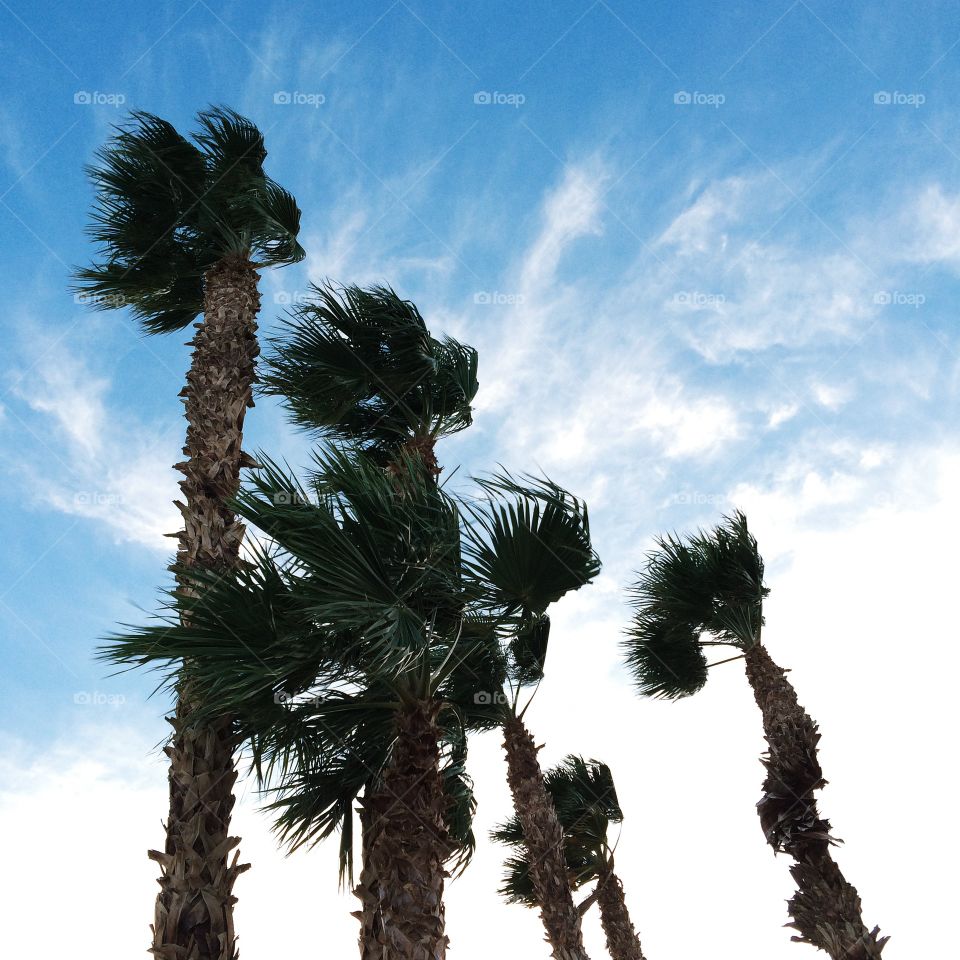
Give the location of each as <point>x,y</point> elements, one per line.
<point>826,908</point>
<point>543,836</point>
<point>408,846</point>
<point>622,940</point>
<point>194,909</point>
<point>367,890</point>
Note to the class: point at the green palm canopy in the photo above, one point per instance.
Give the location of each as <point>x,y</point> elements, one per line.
<point>168,208</point>
<point>585,798</point>
<point>706,590</point>
<point>363,600</point>
<point>360,366</point>
<point>371,586</point>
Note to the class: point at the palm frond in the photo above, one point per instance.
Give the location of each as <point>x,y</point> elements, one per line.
<point>148,180</point>
<point>359,365</point>
<point>585,799</point>
<point>167,209</point>
<point>529,544</point>
<point>709,585</point>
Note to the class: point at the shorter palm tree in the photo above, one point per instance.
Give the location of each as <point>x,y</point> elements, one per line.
<point>585,798</point>
<point>528,552</point>
<point>707,590</point>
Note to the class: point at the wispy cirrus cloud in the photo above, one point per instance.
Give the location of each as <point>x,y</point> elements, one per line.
<point>86,456</point>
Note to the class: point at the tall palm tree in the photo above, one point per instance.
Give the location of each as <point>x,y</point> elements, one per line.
<point>362,591</point>
<point>531,552</point>
<point>360,367</point>
<point>183,229</point>
<point>585,799</point>
<point>708,590</point>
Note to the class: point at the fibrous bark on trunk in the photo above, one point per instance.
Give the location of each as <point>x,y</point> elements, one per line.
<point>622,940</point>
<point>825,910</point>
<point>543,837</point>
<point>194,909</point>
<point>401,887</point>
<point>367,891</point>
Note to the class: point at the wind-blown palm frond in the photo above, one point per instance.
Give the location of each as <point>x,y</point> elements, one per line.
<point>379,566</point>
<point>585,799</point>
<point>166,210</point>
<point>528,545</point>
<point>710,584</point>
<point>360,365</point>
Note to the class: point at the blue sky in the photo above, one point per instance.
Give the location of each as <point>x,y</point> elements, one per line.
<point>709,257</point>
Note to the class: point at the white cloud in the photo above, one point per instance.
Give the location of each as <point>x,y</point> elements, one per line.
<point>932,224</point>
<point>831,396</point>
<point>540,298</point>
<point>781,414</point>
<point>92,460</point>
<point>570,211</point>
<point>701,227</point>
<point>734,291</point>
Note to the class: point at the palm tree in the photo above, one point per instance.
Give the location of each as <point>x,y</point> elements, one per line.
<point>585,799</point>
<point>708,590</point>
<point>531,552</point>
<point>360,367</point>
<point>184,228</point>
<point>381,585</point>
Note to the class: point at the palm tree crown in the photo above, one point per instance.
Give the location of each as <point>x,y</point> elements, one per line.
<point>167,209</point>
<point>705,590</point>
<point>585,799</point>
<point>360,366</point>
